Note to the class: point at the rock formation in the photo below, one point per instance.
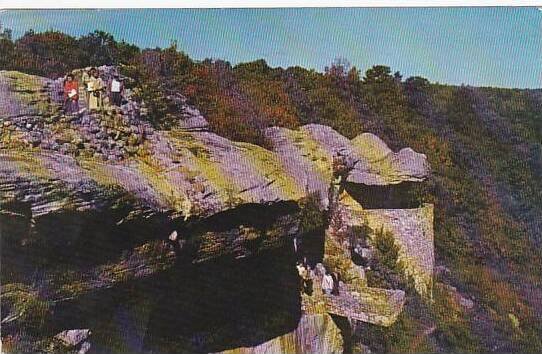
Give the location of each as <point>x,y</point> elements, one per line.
<point>69,184</point>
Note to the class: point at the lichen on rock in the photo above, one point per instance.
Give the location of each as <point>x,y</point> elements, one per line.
<point>221,198</point>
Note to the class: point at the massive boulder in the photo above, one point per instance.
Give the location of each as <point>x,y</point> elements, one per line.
<point>188,171</point>
<point>69,184</point>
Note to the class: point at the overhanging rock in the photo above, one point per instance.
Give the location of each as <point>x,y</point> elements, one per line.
<point>64,167</point>
<point>412,230</point>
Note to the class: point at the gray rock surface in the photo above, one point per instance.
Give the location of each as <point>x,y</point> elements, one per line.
<point>73,337</point>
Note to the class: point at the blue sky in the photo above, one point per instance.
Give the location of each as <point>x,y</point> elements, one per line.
<point>476,46</point>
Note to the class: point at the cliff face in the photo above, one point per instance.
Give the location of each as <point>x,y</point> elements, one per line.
<point>162,201</point>
<point>187,171</point>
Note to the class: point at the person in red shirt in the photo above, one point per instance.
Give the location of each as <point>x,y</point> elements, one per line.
<point>71,95</point>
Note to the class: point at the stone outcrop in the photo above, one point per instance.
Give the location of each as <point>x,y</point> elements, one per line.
<point>187,170</point>
<point>314,334</point>
<point>73,337</point>
<point>113,172</point>
<point>412,230</point>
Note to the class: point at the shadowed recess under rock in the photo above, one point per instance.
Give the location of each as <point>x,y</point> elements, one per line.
<point>208,307</point>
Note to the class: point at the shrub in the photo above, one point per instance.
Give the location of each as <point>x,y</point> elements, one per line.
<point>386,269</point>
<point>312,217</point>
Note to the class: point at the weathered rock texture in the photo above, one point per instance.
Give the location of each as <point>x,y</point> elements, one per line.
<point>413,233</point>
<point>190,172</point>
<point>224,198</point>
<point>314,334</point>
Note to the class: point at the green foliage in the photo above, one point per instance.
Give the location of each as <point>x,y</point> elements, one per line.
<point>324,99</point>
<point>53,54</point>
<point>387,271</point>
<point>386,251</point>
<point>5,33</point>
<point>214,88</point>
<point>6,47</point>
<point>100,48</point>
<point>264,86</point>
<point>158,74</point>
<point>484,146</point>
<point>312,217</point>
<point>452,325</point>
<point>25,305</point>
<point>49,53</point>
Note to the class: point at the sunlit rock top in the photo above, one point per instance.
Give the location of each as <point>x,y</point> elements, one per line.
<point>57,162</point>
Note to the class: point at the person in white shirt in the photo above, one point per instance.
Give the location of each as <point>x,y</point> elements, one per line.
<point>327,283</point>
<point>95,86</point>
<point>116,88</point>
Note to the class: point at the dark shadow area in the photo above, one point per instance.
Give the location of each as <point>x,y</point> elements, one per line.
<point>405,195</point>
<point>72,239</point>
<point>14,233</point>
<point>224,304</point>
<point>346,332</point>
<point>311,247</point>
<point>259,216</point>
<point>214,306</point>
<point>91,238</point>
<point>83,239</point>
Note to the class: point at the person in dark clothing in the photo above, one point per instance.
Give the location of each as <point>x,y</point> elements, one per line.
<point>335,290</point>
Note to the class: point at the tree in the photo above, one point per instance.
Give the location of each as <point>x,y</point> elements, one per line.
<point>382,91</point>
<point>378,74</point>
<point>6,48</point>
<point>5,33</point>
<point>387,270</point>
<point>99,49</point>
<point>126,52</point>
<point>416,83</point>
<point>340,67</point>
<point>416,88</point>
<point>398,77</point>
<point>257,67</point>
<point>353,75</point>
<point>49,53</point>
<point>175,67</point>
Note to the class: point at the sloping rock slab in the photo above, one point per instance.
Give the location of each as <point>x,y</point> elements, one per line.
<point>314,334</point>
<point>367,157</point>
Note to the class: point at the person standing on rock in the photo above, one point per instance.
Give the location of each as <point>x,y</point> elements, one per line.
<point>85,78</point>
<point>95,86</point>
<point>335,289</point>
<point>71,95</point>
<point>304,275</point>
<point>327,284</point>
<point>115,89</point>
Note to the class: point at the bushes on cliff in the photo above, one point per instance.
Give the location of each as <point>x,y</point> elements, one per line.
<point>387,271</point>
<point>158,76</point>
<point>312,217</point>
<point>264,86</point>
<point>21,304</point>
<point>482,143</point>
<point>217,93</point>
<point>53,54</point>
<point>6,47</point>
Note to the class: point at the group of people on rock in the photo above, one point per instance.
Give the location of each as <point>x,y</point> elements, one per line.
<point>95,91</point>
<point>329,281</point>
